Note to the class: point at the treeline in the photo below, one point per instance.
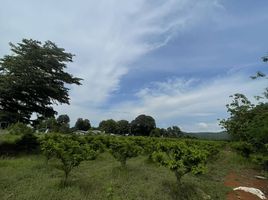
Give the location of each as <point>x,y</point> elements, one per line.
<point>142,125</point>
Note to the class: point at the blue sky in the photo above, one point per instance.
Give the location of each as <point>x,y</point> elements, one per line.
<point>176,60</point>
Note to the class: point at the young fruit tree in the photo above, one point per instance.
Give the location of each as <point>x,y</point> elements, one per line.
<point>180,158</point>
<point>123,150</point>
<point>48,143</point>
<point>69,151</point>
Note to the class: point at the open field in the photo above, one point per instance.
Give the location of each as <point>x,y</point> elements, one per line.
<point>29,177</point>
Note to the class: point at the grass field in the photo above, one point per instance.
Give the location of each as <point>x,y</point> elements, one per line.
<point>25,177</point>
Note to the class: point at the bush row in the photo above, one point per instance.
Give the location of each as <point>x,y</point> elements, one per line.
<point>180,156</point>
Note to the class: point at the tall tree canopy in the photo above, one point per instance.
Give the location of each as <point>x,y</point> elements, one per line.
<point>109,126</point>
<point>174,131</point>
<point>249,122</point>
<point>82,124</point>
<point>32,79</point>
<point>123,127</point>
<point>63,119</point>
<point>142,125</point>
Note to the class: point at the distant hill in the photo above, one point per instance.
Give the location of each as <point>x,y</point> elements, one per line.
<point>223,135</point>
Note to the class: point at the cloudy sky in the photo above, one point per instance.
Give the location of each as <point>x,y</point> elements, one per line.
<point>176,60</point>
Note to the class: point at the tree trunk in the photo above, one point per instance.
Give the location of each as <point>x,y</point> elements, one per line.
<point>123,163</point>
<point>178,177</point>
<point>66,173</point>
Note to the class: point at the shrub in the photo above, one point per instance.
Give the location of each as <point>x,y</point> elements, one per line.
<point>260,159</point>
<point>20,129</point>
<point>180,158</point>
<point>28,143</point>
<point>123,150</point>
<point>244,148</point>
<point>48,143</point>
<point>69,150</point>
<point>96,143</point>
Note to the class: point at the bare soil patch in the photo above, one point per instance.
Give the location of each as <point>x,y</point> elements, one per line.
<point>245,178</point>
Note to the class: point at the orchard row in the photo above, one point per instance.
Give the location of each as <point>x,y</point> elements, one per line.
<point>181,156</point>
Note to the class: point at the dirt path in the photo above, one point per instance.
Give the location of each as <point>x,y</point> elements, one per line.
<point>245,178</point>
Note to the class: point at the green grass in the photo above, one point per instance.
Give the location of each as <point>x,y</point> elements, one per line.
<point>26,177</point>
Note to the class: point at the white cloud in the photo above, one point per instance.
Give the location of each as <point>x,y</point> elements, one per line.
<point>106,36</point>
<point>202,125</point>
<point>183,104</point>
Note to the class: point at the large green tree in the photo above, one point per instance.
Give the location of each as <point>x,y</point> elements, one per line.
<point>63,123</point>
<point>142,125</point>
<point>248,122</point>
<point>238,123</point>
<point>109,126</point>
<point>32,79</point>
<point>82,124</point>
<point>123,127</point>
<point>63,119</point>
<point>174,131</point>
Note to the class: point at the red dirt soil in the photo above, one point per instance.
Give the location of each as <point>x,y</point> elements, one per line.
<point>245,178</point>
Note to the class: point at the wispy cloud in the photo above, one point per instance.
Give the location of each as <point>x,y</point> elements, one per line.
<point>124,32</point>
<point>192,104</point>
<point>114,34</point>
<point>107,36</point>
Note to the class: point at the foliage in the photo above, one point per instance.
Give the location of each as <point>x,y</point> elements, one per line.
<point>60,125</point>
<point>105,169</point>
<point>63,125</point>
<point>96,143</point>
<point>64,128</point>
<point>237,124</point>
<point>20,142</point>
<point>26,177</point>
<point>109,126</point>
<point>123,150</point>
<point>32,79</point>
<point>156,132</point>
<point>20,129</point>
<point>70,151</point>
<point>142,125</point>
<point>211,148</point>
<point>181,159</point>
<point>63,119</point>
<point>82,124</point>
<point>263,76</point>
<point>265,58</point>
<point>258,126</point>
<point>148,145</point>
<point>261,159</point>
<point>244,148</point>
<point>28,143</point>
<point>247,122</point>
<point>50,124</point>
<point>47,145</point>
<point>174,131</point>
<point>123,127</point>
